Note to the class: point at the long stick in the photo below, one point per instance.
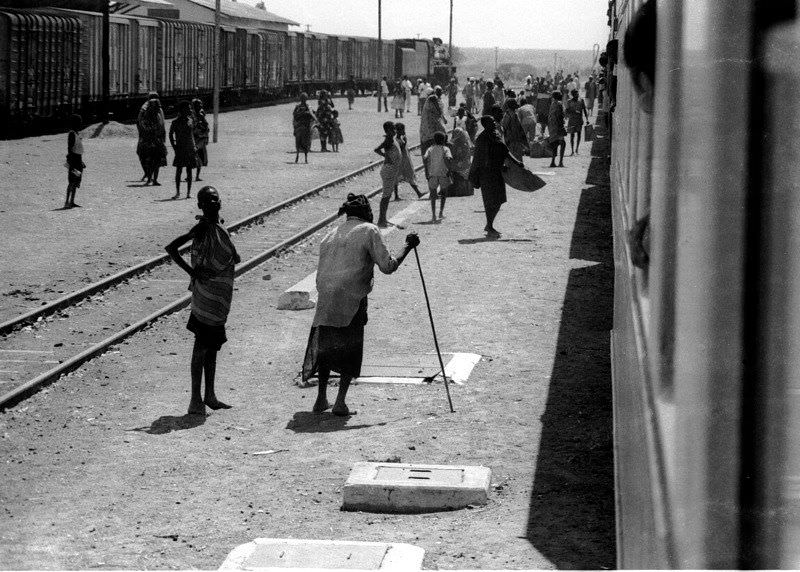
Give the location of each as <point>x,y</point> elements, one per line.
<point>433,329</point>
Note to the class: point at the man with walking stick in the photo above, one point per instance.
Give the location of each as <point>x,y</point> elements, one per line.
<point>347,258</point>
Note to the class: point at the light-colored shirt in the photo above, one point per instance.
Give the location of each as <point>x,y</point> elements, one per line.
<point>436,156</point>
<point>347,257</point>
<point>384,87</point>
<point>406,85</point>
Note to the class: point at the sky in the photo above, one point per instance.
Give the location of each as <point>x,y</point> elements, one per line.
<point>545,24</point>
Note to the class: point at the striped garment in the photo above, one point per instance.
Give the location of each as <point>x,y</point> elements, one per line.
<point>212,251</point>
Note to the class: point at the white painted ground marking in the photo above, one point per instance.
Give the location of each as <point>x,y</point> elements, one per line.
<point>303,295</point>
<point>295,554</point>
<point>27,361</point>
<point>457,370</point>
<point>404,487</point>
<point>29,351</point>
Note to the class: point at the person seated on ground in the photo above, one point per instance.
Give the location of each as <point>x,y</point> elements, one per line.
<point>347,259</point>
<point>213,259</point>
<point>639,54</point>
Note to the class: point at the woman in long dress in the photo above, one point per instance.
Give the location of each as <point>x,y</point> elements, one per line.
<point>513,133</point>
<point>460,165</point>
<point>152,147</point>
<point>486,172</point>
<point>405,173</point>
<point>324,119</point>
<point>398,101</point>
<point>555,129</point>
<point>181,137</point>
<point>302,121</point>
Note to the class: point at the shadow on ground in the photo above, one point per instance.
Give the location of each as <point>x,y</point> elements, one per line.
<point>169,423</point>
<point>571,517</point>
<point>308,422</point>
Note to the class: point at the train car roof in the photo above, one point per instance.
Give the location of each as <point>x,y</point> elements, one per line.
<point>242,10</point>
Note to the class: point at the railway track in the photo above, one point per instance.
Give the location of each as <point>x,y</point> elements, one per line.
<point>41,345</point>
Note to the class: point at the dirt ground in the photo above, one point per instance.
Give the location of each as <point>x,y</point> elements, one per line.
<point>104,470</point>
<point>53,251</point>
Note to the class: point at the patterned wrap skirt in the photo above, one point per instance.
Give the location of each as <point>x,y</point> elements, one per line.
<point>337,349</point>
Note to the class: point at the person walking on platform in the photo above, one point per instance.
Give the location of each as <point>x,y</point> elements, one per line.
<point>469,94</point>
<point>201,131</point>
<point>437,161</point>
<point>488,99</point>
<point>324,119</point>
<point>486,172</point>
<point>74,164</point>
<point>302,121</point>
<point>213,259</point>
<point>555,129</point>
<point>406,173</point>
<point>513,134</point>
<point>347,259</point>
<point>398,102</point>
<point>407,89</point>
<point>460,165</point>
<point>335,138</point>
<point>383,93</point>
<point>181,137</point>
<point>452,93</point>
<point>590,94</point>
<point>351,92</point>
<point>575,112</point>
<point>390,152</point>
<point>430,123</point>
<point>152,147</point>
<point>543,101</point>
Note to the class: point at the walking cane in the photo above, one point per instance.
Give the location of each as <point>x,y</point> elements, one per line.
<point>433,329</point>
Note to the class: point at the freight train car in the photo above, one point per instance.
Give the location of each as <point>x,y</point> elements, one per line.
<point>51,63</point>
<point>706,338</point>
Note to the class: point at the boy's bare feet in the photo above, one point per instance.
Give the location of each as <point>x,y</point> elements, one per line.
<point>320,406</point>
<point>217,404</point>
<point>197,408</point>
<point>342,411</point>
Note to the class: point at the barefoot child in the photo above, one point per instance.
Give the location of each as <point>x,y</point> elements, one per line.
<point>335,136</point>
<point>213,260</point>
<point>437,159</point>
<point>406,172</point>
<point>74,163</point>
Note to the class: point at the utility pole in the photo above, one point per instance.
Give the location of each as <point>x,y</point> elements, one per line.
<point>106,63</point>
<point>380,48</point>
<point>495,60</point>
<point>555,66</point>
<point>450,45</point>
<point>217,70</point>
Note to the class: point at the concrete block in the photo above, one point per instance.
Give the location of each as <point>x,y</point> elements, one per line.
<point>301,296</point>
<point>408,488</point>
<point>265,554</point>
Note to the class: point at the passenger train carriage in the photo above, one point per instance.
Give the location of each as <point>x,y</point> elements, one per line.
<point>706,340</point>
<point>51,64</point>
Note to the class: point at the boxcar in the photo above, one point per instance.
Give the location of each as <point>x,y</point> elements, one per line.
<point>413,58</point>
<point>40,65</point>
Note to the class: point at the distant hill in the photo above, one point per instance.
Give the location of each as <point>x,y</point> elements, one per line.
<point>514,65</point>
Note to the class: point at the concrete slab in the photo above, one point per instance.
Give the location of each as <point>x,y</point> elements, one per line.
<point>408,488</point>
<point>265,554</point>
<point>301,296</point>
<point>458,367</point>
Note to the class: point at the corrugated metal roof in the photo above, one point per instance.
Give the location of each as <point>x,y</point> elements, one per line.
<point>242,10</point>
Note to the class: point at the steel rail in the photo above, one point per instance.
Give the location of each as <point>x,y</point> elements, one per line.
<point>68,300</point>
<point>29,388</point>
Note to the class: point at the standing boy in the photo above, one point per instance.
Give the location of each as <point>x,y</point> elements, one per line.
<point>74,163</point>
<point>437,161</point>
<point>213,261</point>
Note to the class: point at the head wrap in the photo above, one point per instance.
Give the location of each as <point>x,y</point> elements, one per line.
<point>357,206</point>
<point>487,122</point>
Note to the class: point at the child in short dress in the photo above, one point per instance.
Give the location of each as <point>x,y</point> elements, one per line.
<point>74,164</point>
<point>212,270</point>
<point>335,136</point>
<point>406,173</point>
<point>438,158</point>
